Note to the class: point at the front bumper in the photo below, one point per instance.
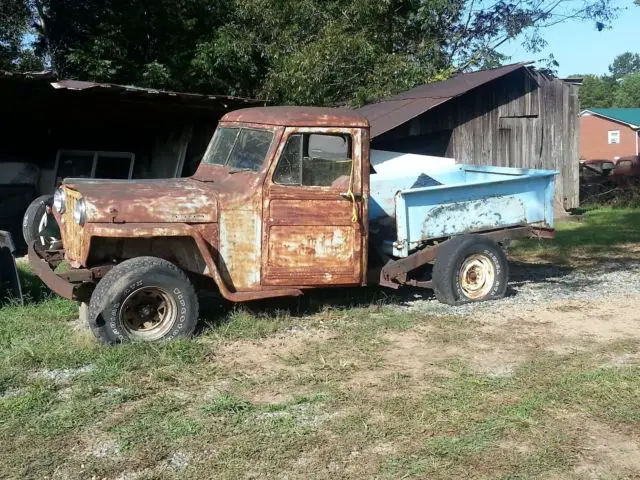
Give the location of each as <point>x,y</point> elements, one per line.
<point>45,271</point>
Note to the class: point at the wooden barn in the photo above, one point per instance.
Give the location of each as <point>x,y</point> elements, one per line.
<point>511,116</point>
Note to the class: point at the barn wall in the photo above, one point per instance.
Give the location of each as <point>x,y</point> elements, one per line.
<point>523,120</point>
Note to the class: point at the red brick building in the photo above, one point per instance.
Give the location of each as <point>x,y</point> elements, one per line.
<point>609,133</point>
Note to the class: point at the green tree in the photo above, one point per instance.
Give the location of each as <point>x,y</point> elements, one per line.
<point>322,52</point>
<point>624,64</point>
<point>16,17</point>
<point>628,92</point>
<point>597,92</point>
<point>144,42</point>
<point>354,51</point>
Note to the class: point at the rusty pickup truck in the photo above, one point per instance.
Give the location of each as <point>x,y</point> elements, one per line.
<point>285,200</point>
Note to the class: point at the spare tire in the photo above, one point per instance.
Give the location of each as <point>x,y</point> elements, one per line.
<point>34,219</point>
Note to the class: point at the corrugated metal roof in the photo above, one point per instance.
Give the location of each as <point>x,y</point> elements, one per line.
<point>43,76</point>
<point>148,93</point>
<point>628,116</point>
<point>392,112</point>
<point>132,92</point>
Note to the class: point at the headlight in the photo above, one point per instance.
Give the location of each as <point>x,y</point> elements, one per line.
<point>80,212</point>
<point>59,200</point>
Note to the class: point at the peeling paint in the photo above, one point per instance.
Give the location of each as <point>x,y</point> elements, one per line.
<point>473,216</point>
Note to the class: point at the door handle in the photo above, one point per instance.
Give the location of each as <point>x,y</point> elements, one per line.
<point>347,195</point>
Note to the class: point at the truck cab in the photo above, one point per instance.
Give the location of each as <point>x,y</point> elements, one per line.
<point>277,205</point>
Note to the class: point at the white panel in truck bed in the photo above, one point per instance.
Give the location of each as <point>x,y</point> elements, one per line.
<point>401,164</point>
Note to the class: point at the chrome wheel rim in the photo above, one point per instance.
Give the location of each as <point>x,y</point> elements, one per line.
<point>148,314</point>
<point>477,276</point>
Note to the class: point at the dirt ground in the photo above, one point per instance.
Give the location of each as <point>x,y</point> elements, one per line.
<point>495,341</point>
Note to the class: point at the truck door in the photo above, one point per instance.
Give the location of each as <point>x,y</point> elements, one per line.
<point>315,209</point>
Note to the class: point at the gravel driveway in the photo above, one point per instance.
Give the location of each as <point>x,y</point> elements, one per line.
<point>535,285</point>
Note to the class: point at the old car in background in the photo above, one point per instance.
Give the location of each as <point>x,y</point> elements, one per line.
<point>285,200</point>
<point>627,171</point>
<point>595,178</point>
<point>596,171</point>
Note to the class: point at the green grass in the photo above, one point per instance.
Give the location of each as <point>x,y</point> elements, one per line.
<point>312,388</point>
<point>600,231</point>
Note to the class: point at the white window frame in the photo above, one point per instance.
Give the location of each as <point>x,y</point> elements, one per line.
<point>613,137</point>
<point>95,154</point>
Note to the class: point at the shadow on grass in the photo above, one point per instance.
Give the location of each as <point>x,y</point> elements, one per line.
<point>216,311</point>
<point>521,273</point>
<point>33,290</point>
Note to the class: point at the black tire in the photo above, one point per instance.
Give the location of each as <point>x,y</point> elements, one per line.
<point>157,282</point>
<point>475,250</point>
<point>32,217</point>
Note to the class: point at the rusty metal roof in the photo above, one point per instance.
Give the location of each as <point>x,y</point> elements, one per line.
<point>392,112</point>
<point>298,117</point>
<point>129,92</point>
<point>44,76</point>
<point>151,93</point>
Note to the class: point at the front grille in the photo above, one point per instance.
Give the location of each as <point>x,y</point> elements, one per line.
<point>71,231</point>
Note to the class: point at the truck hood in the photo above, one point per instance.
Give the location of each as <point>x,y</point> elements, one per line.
<point>181,200</point>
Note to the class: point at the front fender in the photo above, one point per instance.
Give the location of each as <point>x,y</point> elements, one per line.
<point>160,230</point>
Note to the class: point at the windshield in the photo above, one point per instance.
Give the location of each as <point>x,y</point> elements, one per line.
<point>239,148</point>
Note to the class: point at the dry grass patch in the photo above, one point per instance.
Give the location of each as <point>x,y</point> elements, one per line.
<point>566,327</point>
<point>602,451</point>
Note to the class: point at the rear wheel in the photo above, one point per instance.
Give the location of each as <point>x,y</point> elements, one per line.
<point>144,299</point>
<point>470,268</point>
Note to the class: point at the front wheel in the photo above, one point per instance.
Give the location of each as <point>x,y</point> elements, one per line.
<point>144,299</point>
<point>470,268</point>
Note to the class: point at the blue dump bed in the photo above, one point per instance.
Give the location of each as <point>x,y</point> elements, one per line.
<point>456,199</point>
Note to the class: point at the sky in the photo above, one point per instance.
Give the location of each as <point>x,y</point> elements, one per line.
<point>579,48</point>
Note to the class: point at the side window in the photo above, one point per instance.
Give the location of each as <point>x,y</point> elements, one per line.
<point>315,160</point>
<point>624,164</point>
<point>288,170</point>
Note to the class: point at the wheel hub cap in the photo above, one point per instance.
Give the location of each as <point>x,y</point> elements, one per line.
<point>148,313</point>
<point>477,276</point>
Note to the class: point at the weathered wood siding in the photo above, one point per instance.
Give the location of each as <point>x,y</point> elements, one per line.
<point>525,120</point>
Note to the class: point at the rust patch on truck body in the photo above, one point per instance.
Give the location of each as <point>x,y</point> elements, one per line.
<point>317,236</point>
<point>147,201</point>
